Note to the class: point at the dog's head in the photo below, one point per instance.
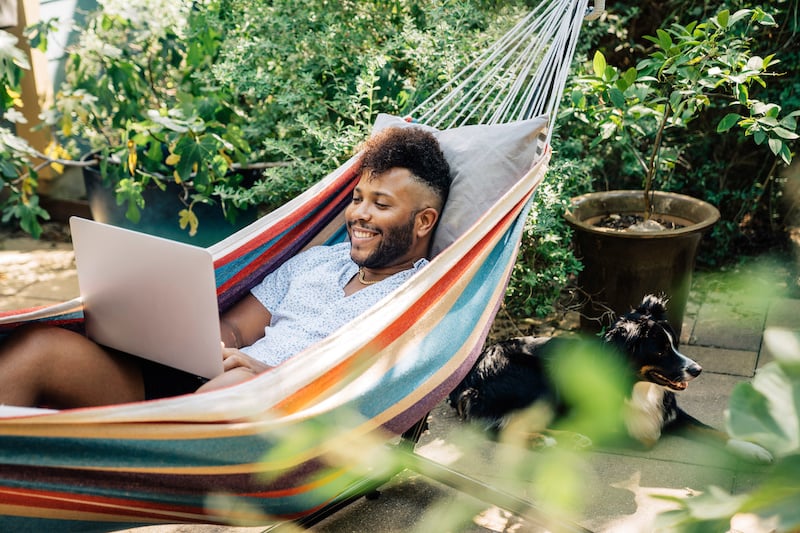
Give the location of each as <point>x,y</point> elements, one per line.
<point>645,336</point>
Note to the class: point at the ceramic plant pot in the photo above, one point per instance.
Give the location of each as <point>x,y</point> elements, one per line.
<point>620,267</point>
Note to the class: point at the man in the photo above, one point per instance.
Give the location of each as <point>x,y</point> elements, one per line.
<point>395,206</point>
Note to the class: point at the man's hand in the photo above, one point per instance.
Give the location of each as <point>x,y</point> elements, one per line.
<point>233,358</point>
<point>238,367</point>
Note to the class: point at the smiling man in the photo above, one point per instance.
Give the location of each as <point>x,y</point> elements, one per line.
<point>404,183</point>
<point>403,186</point>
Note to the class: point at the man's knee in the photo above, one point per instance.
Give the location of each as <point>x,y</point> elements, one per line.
<point>41,344</point>
<point>34,337</point>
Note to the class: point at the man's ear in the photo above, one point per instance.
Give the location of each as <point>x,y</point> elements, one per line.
<point>426,221</point>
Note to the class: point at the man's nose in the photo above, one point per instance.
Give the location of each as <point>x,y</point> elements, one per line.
<point>361,211</point>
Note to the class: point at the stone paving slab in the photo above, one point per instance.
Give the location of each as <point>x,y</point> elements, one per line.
<point>726,325</point>
<point>784,313</point>
<point>740,363</point>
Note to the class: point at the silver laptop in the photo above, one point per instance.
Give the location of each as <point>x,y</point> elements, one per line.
<point>148,296</point>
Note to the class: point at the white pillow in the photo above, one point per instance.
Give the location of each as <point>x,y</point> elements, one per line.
<point>485,161</point>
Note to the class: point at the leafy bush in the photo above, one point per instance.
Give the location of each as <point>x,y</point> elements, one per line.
<point>741,179</point>
<point>317,73</point>
<point>644,109</point>
<point>18,169</point>
<point>545,263</point>
<point>205,87</point>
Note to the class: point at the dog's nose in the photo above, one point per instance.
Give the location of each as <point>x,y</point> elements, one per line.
<point>694,370</point>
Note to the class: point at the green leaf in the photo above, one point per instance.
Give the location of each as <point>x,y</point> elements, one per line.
<point>610,74</point>
<point>723,17</point>
<point>664,39</point>
<point>728,121</point>
<point>630,76</point>
<point>133,213</point>
<point>786,154</point>
<point>764,18</point>
<point>776,145</point>
<point>715,504</point>
<point>617,97</point>
<point>767,410</point>
<point>675,98</point>
<point>742,93</point>
<point>599,64</point>
<point>784,133</point>
<point>176,125</point>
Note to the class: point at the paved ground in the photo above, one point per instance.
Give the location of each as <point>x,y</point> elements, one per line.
<point>723,332</point>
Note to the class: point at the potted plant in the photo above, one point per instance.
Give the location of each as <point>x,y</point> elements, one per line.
<point>645,109</point>
<point>134,98</point>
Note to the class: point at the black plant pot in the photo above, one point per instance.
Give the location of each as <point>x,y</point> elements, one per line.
<point>160,214</point>
<point>619,268</point>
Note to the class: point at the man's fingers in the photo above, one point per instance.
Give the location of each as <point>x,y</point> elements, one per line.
<point>229,352</point>
<point>232,361</point>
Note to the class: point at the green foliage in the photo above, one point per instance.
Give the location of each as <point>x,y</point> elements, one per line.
<point>545,262</point>
<point>315,91</point>
<point>637,107</point>
<point>207,89</point>
<point>18,174</point>
<point>767,412</point>
<point>730,170</point>
<point>132,94</point>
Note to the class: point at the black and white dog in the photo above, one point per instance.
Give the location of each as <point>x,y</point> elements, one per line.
<point>514,374</point>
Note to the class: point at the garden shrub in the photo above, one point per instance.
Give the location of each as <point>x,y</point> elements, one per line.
<point>732,173</point>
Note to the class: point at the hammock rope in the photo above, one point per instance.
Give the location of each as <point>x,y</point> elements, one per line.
<point>522,75</point>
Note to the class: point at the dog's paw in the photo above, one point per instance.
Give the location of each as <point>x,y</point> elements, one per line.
<point>540,441</point>
<point>550,438</point>
<point>749,451</point>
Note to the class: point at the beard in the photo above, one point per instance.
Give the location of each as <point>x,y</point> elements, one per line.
<point>396,242</point>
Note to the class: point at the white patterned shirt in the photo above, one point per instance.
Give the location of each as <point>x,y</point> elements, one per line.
<point>306,299</point>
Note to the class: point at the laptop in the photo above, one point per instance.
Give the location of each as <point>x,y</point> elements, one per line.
<point>148,296</point>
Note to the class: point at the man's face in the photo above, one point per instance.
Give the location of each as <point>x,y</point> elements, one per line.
<point>381,219</point>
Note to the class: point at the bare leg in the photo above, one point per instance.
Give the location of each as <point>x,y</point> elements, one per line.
<point>55,367</point>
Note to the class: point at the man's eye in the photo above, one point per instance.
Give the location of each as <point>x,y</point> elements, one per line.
<point>356,200</point>
<point>381,206</point>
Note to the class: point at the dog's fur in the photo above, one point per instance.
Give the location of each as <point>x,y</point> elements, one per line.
<point>514,374</point>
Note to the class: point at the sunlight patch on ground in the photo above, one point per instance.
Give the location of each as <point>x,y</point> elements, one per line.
<point>647,506</point>
<point>18,269</point>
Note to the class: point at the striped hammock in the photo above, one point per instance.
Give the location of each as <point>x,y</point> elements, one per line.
<point>271,449</point>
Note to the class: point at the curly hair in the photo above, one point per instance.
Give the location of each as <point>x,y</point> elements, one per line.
<point>412,148</point>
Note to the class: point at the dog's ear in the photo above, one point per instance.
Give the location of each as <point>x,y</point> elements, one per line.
<point>623,333</point>
<point>655,306</point>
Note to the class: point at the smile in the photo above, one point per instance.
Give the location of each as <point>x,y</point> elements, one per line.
<point>360,233</point>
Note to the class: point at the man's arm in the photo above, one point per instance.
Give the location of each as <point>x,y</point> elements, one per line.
<point>244,323</point>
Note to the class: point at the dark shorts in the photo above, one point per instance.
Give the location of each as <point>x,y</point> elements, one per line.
<point>162,381</point>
